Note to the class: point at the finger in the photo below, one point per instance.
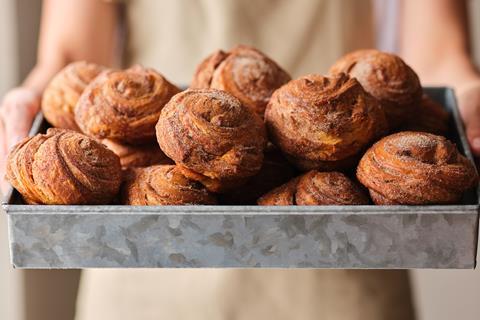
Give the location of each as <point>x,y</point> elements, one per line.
<point>3,137</point>
<point>14,136</point>
<point>4,185</point>
<point>16,125</point>
<point>473,135</point>
<point>469,103</point>
<point>472,127</point>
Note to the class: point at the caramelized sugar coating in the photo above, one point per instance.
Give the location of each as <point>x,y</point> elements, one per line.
<point>245,72</point>
<point>64,167</point>
<point>124,105</point>
<point>415,168</point>
<point>431,117</point>
<point>137,155</point>
<point>324,123</point>
<point>275,171</point>
<point>162,185</point>
<point>386,77</point>
<point>64,90</point>
<point>316,188</point>
<point>212,137</point>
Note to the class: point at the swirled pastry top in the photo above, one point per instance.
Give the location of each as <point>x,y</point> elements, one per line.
<point>316,188</point>
<point>163,185</point>
<point>245,72</point>
<point>64,167</point>
<point>63,91</point>
<point>386,77</point>
<point>415,168</point>
<point>211,133</point>
<point>124,104</point>
<point>315,118</point>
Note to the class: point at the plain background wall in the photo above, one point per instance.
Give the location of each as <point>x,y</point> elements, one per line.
<point>10,280</point>
<point>39,295</point>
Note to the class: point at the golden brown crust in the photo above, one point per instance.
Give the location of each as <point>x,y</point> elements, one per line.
<point>124,104</point>
<point>212,184</point>
<point>64,167</point>
<point>386,77</point>
<point>137,155</point>
<point>275,171</point>
<point>245,72</point>
<point>280,196</point>
<point>202,79</point>
<point>64,90</point>
<point>430,117</point>
<point>316,188</point>
<point>323,123</point>
<point>213,137</point>
<point>415,168</point>
<point>162,185</point>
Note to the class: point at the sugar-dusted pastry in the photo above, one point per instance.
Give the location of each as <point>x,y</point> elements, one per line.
<point>430,117</point>
<point>316,188</point>
<point>64,167</point>
<point>162,185</point>
<point>245,72</point>
<point>212,137</point>
<point>324,123</point>
<point>386,77</point>
<point>275,171</point>
<point>63,91</point>
<point>415,168</point>
<point>124,105</point>
<point>137,155</point>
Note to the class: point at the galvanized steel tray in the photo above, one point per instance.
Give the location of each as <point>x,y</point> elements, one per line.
<point>248,236</point>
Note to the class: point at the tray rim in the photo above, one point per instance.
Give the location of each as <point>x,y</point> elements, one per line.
<point>21,209</point>
<point>236,210</point>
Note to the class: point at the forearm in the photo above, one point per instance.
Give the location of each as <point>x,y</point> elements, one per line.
<point>434,41</point>
<point>70,31</point>
<point>39,77</point>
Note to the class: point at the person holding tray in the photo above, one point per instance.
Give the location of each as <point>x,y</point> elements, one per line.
<point>304,37</point>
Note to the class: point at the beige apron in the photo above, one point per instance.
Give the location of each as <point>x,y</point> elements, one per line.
<point>304,36</point>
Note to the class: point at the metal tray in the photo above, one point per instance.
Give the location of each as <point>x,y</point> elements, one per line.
<point>248,236</point>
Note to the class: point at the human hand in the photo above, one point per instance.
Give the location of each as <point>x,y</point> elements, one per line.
<point>469,103</point>
<point>17,111</point>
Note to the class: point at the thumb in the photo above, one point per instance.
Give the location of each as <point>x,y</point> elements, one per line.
<point>4,185</point>
<point>15,137</point>
<point>469,104</point>
<point>17,125</point>
<point>473,135</point>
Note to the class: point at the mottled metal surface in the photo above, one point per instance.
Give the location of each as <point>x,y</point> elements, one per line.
<point>247,236</point>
